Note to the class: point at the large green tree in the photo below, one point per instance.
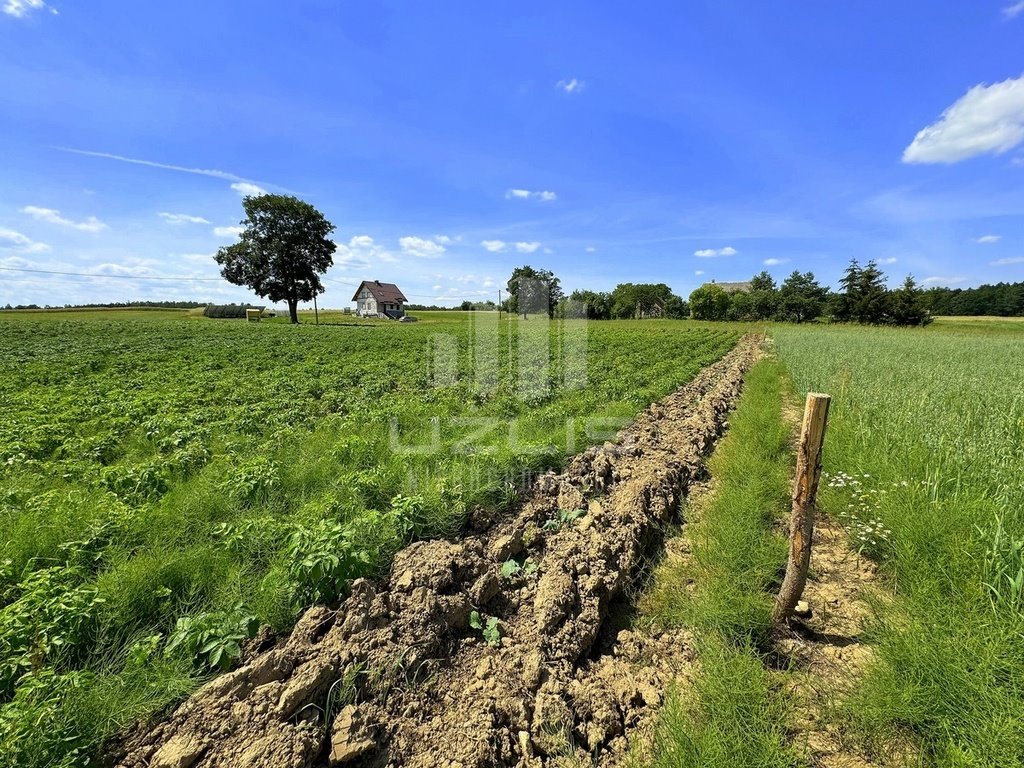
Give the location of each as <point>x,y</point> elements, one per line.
<point>284,248</point>
<point>533,290</point>
<point>709,302</point>
<point>801,298</point>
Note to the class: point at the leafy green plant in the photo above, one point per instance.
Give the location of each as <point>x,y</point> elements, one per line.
<point>565,517</point>
<point>512,568</point>
<point>491,630</point>
<point>51,620</point>
<point>321,558</point>
<point>213,639</point>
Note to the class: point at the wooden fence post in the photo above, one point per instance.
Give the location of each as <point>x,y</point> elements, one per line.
<point>805,491</point>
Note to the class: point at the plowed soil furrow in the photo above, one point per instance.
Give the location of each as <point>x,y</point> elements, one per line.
<point>429,690</point>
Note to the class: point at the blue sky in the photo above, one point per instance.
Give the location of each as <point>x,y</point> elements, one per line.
<point>449,142</point>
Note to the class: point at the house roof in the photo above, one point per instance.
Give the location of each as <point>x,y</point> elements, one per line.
<point>385,293</point>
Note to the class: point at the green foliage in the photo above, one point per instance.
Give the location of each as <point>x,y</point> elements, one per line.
<point>709,302</point>
<point>154,467</point>
<point>50,619</point>
<point>212,639</point>
<point>948,665</point>
<point>563,518</point>
<point>491,630</point>
<point>284,248</point>
<point>533,291</point>
<point>734,717</point>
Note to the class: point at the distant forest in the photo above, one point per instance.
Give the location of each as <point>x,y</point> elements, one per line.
<point>1001,299</point>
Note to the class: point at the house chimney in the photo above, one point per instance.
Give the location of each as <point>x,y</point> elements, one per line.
<point>377,282</point>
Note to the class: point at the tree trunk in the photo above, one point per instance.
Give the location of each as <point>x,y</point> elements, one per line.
<point>293,310</point>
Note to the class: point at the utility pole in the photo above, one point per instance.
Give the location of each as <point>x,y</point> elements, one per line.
<point>499,304</point>
<point>316,312</point>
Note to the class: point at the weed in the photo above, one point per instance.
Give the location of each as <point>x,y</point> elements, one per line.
<point>491,630</point>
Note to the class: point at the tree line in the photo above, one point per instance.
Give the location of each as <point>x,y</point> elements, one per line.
<point>1001,300</point>
<point>863,297</point>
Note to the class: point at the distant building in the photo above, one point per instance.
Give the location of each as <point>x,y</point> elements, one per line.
<point>731,287</point>
<point>376,299</point>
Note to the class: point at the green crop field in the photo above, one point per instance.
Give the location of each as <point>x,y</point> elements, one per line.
<point>169,482</point>
<point>926,459</point>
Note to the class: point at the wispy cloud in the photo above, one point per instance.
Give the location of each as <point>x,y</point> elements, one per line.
<point>544,195</point>
<point>212,172</point>
<point>227,231</point>
<point>182,218</point>
<point>51,216</point>
<point>10,239</point>
<point>889,260</point>
<point>988,239</point>
<point>711,253</point>
<point>988,119</point>
<point>527,247</point>
<point>20,9</point>
<point>590,249</point>
<point>572,85</point>
<point>248,189</point>
<point>421,247</point>
<point>775,262</point>
<point>1014,10</point>
<point>1007,261</point>
<point>699,272</point>
<point>943,280</point>
<point>494,246</point>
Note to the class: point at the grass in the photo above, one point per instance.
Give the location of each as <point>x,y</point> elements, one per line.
<point>925,454</point>
<point>162,474</point>
<point>734,715</point>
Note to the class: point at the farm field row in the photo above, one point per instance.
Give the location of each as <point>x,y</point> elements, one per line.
<point>168,483</point>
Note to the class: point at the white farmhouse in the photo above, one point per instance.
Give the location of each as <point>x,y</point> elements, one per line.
<point>376,299</point>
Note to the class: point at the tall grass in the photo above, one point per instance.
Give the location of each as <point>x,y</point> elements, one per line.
<point>926,455</point>
<point>734,715</point>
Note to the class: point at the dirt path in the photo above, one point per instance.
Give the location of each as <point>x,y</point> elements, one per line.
<point>429,690</point>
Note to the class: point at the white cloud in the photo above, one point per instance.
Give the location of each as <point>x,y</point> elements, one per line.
<point>775,262</point>
<point>943,280</point>
<point>19,242</point>
<point>494,246</point>
<point>248,189</point>
<point>890,260</point>
<point>988,119</point>
<point>91,224</point>
<point>182,218</point>
<point>571,86</point>
<point>987,239</point>
<point>711,253</point>
<point>197,257</point>
<point>361,252</point>
<point>228,231</point>
<point>590,249</point>
<point>418,246</point>
<point>19,9</point>
<point>699,272</point>
<point>1007,261</point>
<point>527,247</point>
<point>544,195</point>
<point>1013,11</point>
<point>446,240</point>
